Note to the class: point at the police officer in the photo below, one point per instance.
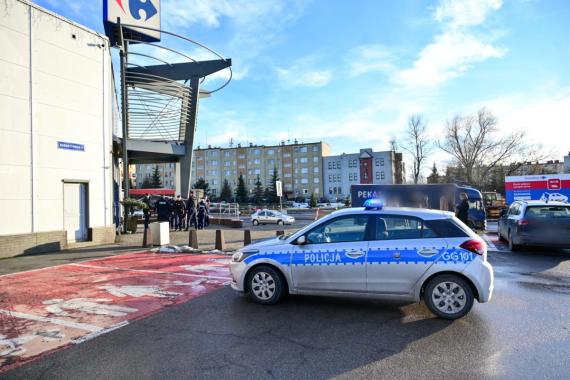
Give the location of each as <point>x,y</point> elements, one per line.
<point>171,217</point>
<point>146,211</point>
<point>462,208</point>
<point>179,209</point>
<point>202,213</point>
<point>191,212</point>
<point>162,209</point>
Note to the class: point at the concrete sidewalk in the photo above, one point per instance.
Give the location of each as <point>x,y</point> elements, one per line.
<point>125,244</point>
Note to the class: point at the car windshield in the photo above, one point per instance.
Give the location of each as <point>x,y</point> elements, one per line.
<point>547,212</point>
<point>475,204</point>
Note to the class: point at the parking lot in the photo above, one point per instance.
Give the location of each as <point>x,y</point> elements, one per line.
<point>182,333</point>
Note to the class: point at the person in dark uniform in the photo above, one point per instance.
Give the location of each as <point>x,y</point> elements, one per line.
<point>191,219</point>
<point>146,211</point>
<point>462,208</point>
<point>202,213</point>
<point>179,209</point>
<point>162,209</point>
<point>171,216</point>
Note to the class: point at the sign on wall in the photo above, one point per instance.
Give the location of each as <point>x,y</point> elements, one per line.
<point>70,146</point>
<point>144,13</point>
<point>550,187</point>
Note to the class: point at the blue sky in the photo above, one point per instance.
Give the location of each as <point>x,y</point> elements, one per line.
<point>351,72</point>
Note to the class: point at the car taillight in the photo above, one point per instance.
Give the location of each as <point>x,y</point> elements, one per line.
<point>524,222</point>
<point>475,246</point>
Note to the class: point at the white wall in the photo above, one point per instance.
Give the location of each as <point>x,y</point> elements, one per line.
<point>70,100</point>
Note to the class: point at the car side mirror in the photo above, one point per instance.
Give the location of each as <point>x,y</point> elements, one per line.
<point>301,240</point>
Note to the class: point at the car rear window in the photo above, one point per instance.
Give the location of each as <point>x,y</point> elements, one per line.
<point>446,228</point>
<point>547,212</point>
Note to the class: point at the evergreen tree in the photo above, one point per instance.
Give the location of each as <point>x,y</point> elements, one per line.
<point>241,190</point>
<point>313,201</point>
<point>155,181</point>
<point>147,184</point>
<point>258,192</point>
<point>226,192</point>
<point>202,184</point>
<point>272,194</point>
<point>434,176</point>
<point>267,195</point>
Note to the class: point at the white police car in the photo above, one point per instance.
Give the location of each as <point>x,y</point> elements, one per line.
<point>388,253</point>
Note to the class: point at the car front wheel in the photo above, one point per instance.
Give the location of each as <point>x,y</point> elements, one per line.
<point>448,296</point>
<point>280,222</point>
<point>266,286</point>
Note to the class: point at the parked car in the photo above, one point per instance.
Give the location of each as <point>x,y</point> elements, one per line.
<point>300,205</point>
<point>139,214</point>
<point>535,223</point>
<point>271,217</point>
<point>385,253</point>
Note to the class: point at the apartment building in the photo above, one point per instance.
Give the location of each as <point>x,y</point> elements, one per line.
<point>299,166</point>
<point>365,167</point>
<point>167,173</point>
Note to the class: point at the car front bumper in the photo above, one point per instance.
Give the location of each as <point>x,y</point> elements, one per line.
<point>237,272</point>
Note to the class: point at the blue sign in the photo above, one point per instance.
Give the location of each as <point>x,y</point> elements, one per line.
<point>70,146</point>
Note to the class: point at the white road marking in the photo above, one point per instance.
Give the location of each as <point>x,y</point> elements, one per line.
<point>138,291</point>
<point>95,306</point>
<point>99,333</point>
<point>151,271</point>
<point>55,321</point>
<point>490,243</point>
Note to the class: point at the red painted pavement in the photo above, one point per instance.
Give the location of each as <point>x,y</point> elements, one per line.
<point>52,308</point>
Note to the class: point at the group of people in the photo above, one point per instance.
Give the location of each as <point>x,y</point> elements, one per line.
<point>181,213</point>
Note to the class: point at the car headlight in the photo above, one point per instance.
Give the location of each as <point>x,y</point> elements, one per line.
<point>242,254</point>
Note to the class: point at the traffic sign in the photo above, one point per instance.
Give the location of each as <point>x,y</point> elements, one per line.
<point>279,188</point>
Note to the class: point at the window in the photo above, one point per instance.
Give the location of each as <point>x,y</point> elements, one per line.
<point>547,212</point>
<point>382,176</point>
<point>304,170</point>
<point>316,180</point>
<point>257,171</point>
<point>257,161</point>
<point>287,175</point>
<point>256,151</point>
<point>214,163</point>
<point>214,191</point>
<point>227,154</point>
<point>286,155</point>
<point>241,156</point>
<point>287,165</point>
<point>330,165</point>
<point>445,228</point>
<point>304,160</point>
<point>350,176</point>
<point>338,230</point>
<point>228,173</point>
<point>330,178</point>
<point>377,175</point>
<point>382,162</point>
<point>315,159</point>
<point>270,151</point>
<point>303,149</point>
<point>304,180</point>
<point>227,163</point>
<point>315,169</point>
<point>315,148</point>
<point>398,227</point>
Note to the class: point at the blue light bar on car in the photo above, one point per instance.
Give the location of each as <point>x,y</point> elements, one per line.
<point>373,204</point>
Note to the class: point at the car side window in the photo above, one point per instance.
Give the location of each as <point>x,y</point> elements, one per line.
<point>398,227</point>
<point>513,209</point>
<point>338,230</point>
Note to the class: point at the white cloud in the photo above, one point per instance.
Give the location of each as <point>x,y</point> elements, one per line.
<point>302,74</point>
<point>370,58</point>
<point>460,13</point>
<point>456,48</point>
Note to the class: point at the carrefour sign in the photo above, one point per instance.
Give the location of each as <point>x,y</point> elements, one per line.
<point>550,187</point>
<point>145,13</point>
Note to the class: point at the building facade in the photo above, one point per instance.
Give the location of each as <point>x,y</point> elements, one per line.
<point>58,107</point>
<point>567,163</point>
<point>366,167</point>
<point>167,173</point>
<point>299,166</point>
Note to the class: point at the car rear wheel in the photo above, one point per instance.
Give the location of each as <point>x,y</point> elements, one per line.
<point>512,245</point>
<point>266,286</point>
<point>448,296</point>
<point>280,222</point>
<point>255,222</point>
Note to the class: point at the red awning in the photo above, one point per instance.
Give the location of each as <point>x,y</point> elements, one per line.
<point>152,191</point>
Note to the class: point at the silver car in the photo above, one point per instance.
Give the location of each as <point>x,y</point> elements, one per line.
<point>271,217</point>
<point>385,253</point>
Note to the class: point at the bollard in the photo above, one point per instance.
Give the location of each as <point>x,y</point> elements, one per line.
<point>317,213</point>
<point>246,237</point>
<point>279,233</point>
<point>220,242</point>
<point>147,238</point>
<point>193,238</point>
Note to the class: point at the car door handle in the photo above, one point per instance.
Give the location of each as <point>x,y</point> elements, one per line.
<point>355,254</point>
<point>397,255</point>
<point>428,252</point>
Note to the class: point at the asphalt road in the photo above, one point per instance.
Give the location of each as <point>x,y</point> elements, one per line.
<point>523,333</point>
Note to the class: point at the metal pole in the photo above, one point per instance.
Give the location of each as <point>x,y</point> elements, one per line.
<point>125,122</point>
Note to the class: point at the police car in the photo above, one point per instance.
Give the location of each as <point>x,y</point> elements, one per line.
<point>372,251</point>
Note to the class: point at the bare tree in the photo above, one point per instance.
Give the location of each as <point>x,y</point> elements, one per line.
<point>474,143</point>
<point>417,144</point>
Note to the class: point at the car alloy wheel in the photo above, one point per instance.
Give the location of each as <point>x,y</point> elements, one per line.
<point>280,222</point>
<point>266,285</point>
<point>255,222</point>
<point>449,297</point>
<point>263,285</point>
